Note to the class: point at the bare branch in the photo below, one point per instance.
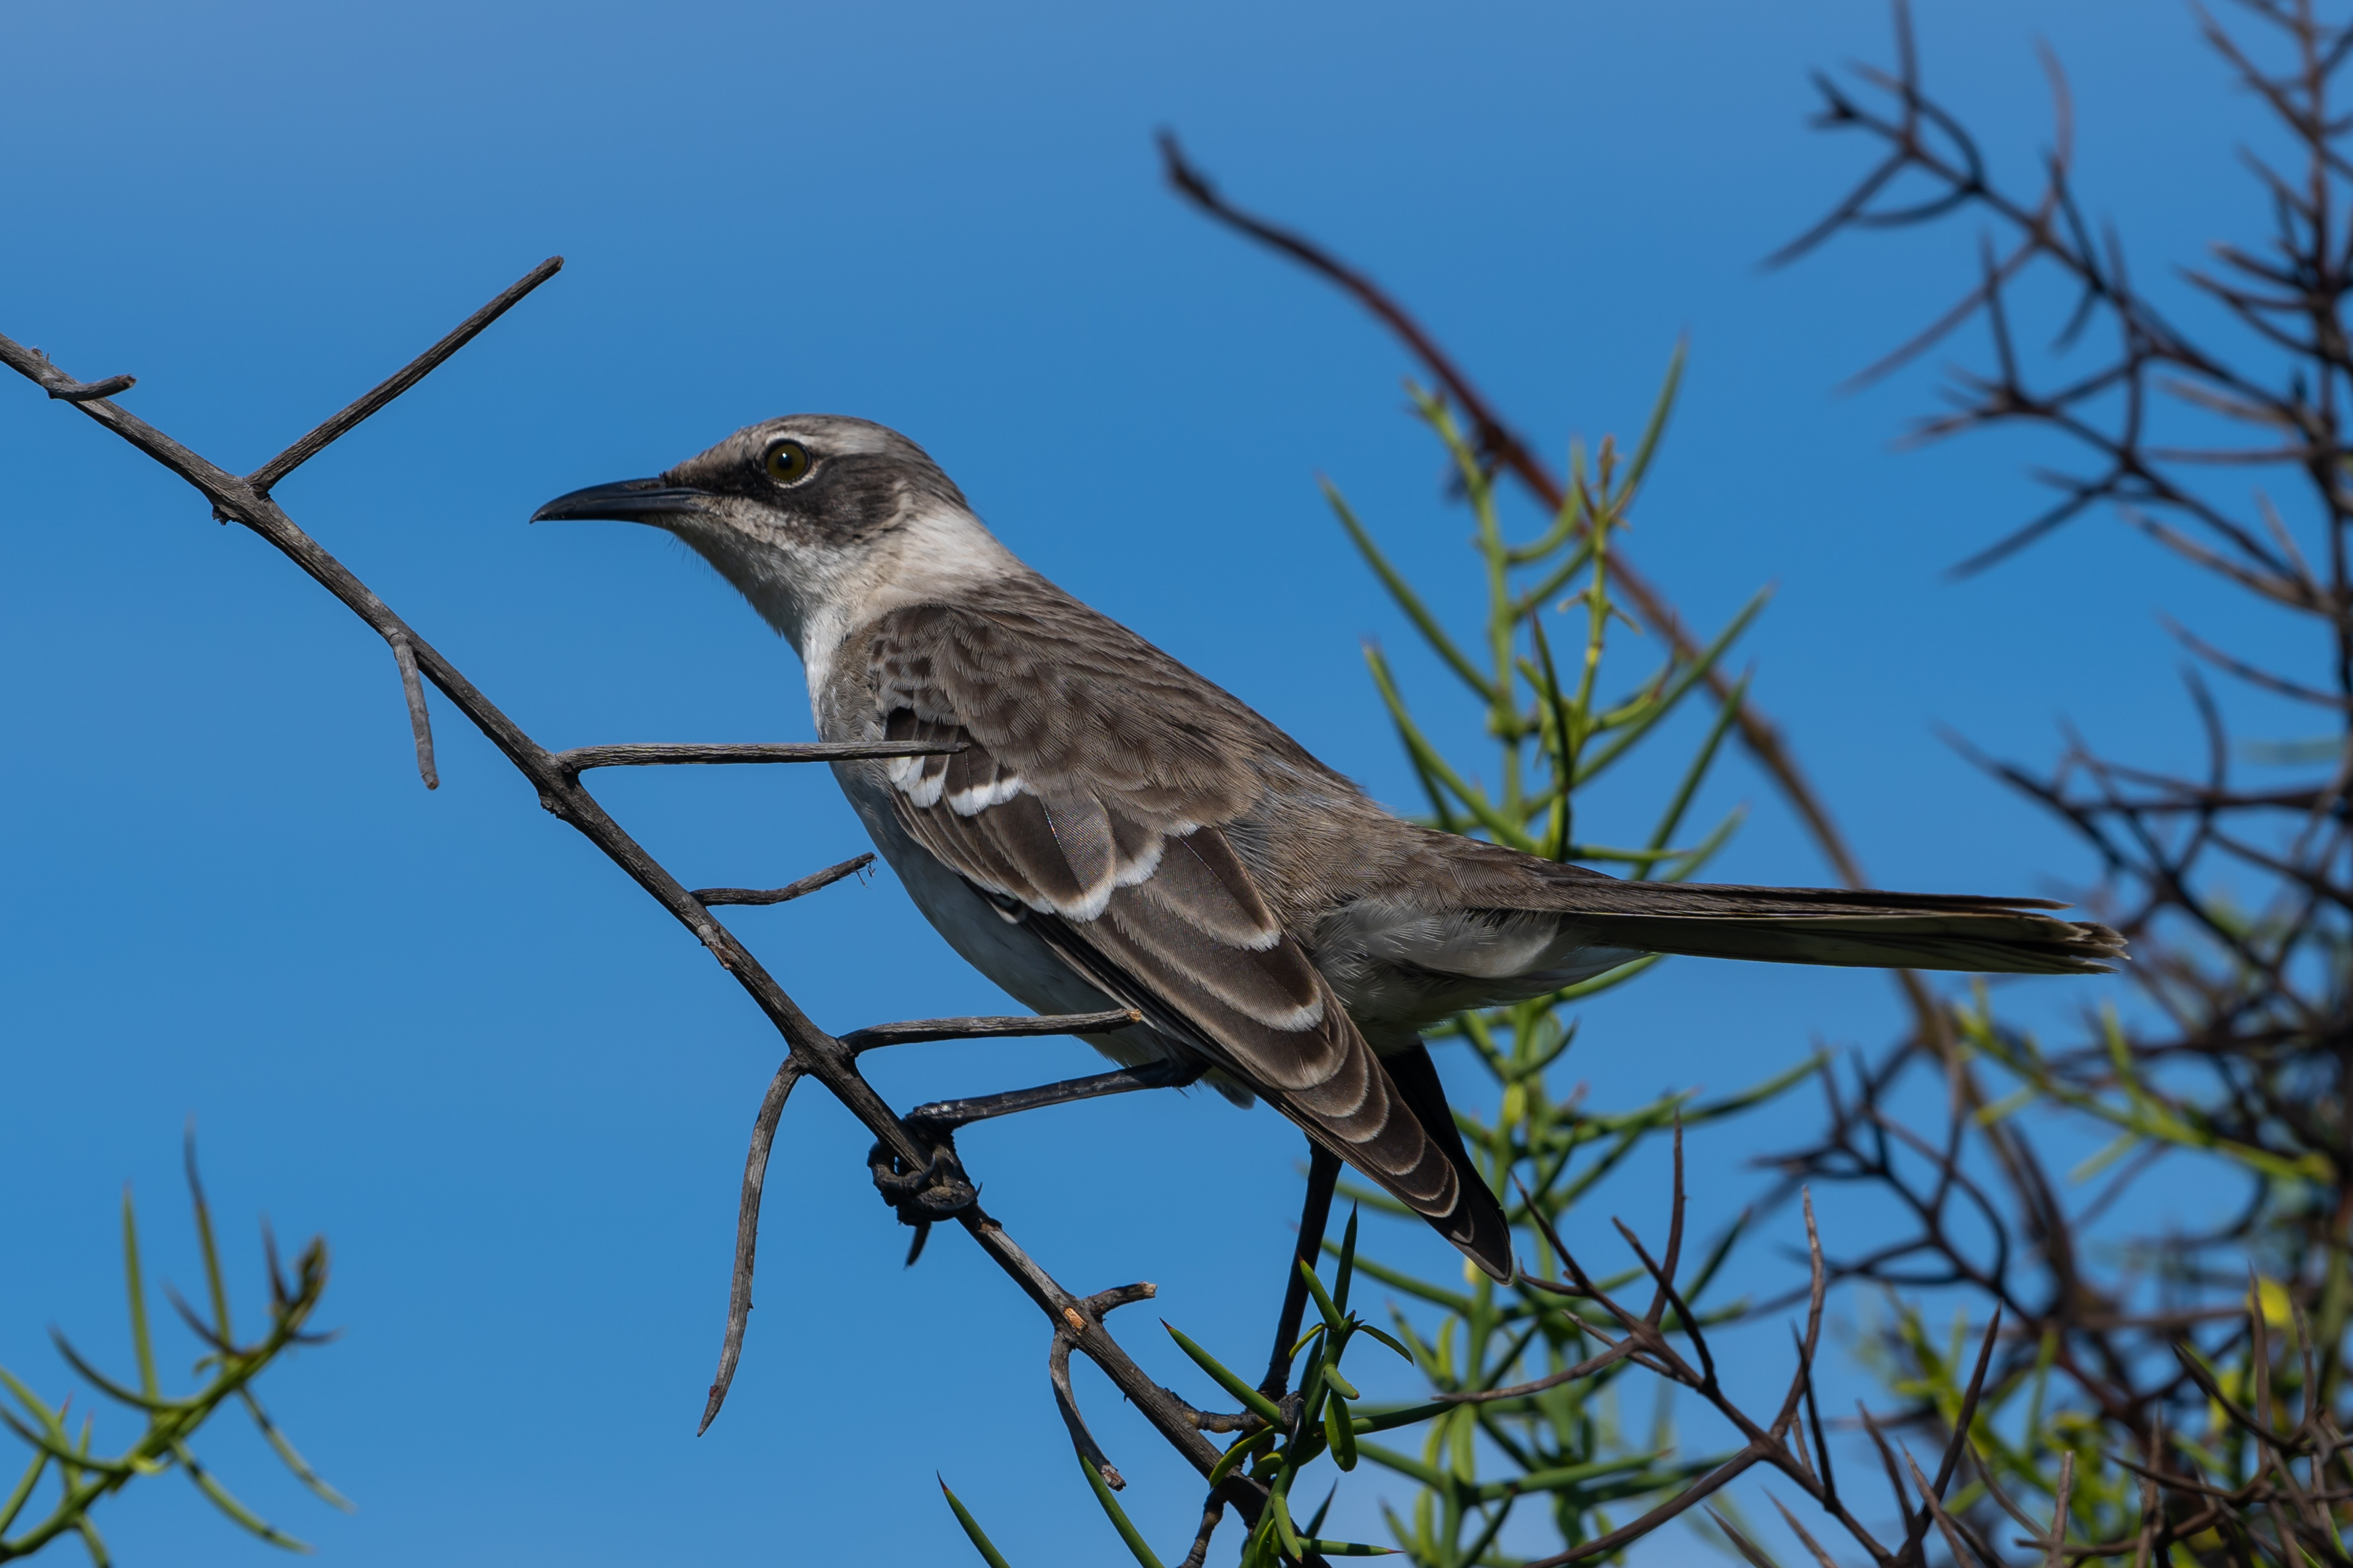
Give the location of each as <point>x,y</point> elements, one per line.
<point>747,1234</point>
<point>875,1035</point>
<point>580,759</point>
<point>790,891</point>
<point>420,722</point>
<point>265,479</point>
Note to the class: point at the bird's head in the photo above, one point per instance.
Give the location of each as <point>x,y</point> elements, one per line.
<point>817,519</point>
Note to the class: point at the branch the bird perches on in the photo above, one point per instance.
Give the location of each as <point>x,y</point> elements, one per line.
<point>811,1051</point>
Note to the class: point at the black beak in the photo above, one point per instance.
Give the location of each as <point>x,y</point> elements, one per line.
<point>630,500</point>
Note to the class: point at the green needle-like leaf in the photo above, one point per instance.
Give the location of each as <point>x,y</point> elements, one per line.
<point>35,1405</point>
<point>1257,1442</point>
<point>1340,1431</point>
<point>1407,599</point>
<point>1331,1317</point>
<point>1401,1416</point>
<point>1685,680</point>
<point>1280,1509</point>
<point>979,1538</point>
<point>94,1543</point>
<point>1702,761</point>
<point>1253,1400</point>
<point>111,1389</point>
<point>137,1291</point>
<point>228,1505</point>
<point>292,1460</point>
<point>70,1456</point>
<point>24,1490</point>
<point>1648,447</point>
<point>1428,756</point>
<point>217,1287</point>
<point>1397,1280</point>
<point>1127,1532</point>
<point>1345,1274</point>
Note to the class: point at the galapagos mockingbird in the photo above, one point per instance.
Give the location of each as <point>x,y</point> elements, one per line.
<point>1118,832</point>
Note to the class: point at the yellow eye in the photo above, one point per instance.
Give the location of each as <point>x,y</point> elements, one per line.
<point>787,461</point>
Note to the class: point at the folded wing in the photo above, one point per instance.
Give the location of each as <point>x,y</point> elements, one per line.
<point>1093,810</point>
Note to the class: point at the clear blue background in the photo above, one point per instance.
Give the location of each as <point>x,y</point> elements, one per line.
<point>441,1030</point>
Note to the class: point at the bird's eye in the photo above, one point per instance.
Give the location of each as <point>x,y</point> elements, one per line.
<point>788,462</point>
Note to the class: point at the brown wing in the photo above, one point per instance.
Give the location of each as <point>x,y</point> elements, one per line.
<point>1089,801</point>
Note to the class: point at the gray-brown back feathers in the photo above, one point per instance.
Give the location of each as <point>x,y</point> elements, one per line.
<point>1089,802</point>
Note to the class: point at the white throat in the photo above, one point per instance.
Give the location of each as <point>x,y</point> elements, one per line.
<point>937,553</point>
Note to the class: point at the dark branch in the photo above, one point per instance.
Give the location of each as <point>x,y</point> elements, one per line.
<point>265,479</point>
<point>420,722</point>
<point>747,1234</point>
<point>580,759</point>
<point>858,1041</point>
<point>790,891</point>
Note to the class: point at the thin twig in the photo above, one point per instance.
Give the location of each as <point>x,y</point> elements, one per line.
<point>1058,1372</point>
<point>747,1234</point>
<point>420,722</point>
<point>579,759</point>
<point>917,1031</point>
<point>265,479</point>
<point>790,891</point>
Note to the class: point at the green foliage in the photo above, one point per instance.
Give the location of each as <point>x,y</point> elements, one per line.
<point>1283,1443</point>
<point>1315,1424</point>
<point>1536,672</point>
<point>1539,681</point>
<point>81,1476</point>
<point>2172,1381</point>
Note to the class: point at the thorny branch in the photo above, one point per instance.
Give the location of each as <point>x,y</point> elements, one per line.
<point>2299,1477</point>
<point>556,777</point>
<point>2236,894</point>
<point>1503,449</point>
<point>2246,1050</point>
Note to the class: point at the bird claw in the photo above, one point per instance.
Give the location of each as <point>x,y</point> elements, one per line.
<point>938,1191</point>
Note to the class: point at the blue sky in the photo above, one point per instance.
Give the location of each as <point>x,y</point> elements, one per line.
<point>442,1031</point>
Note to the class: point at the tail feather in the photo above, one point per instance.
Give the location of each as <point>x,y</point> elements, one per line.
<point>1838,926</point>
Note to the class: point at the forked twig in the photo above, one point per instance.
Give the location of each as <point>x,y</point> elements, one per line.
<point>1058,1370</point>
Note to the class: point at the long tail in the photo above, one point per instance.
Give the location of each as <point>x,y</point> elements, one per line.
<point>1837,926</point>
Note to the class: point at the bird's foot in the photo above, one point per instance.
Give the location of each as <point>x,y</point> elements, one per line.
<point>938,1189</point>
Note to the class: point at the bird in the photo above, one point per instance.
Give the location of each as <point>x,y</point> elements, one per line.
<point>1103,827</point>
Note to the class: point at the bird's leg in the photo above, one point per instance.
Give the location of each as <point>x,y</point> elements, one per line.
<point>1322,1174</point>
<point>947,1115</point>
<point>940,1188</point>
